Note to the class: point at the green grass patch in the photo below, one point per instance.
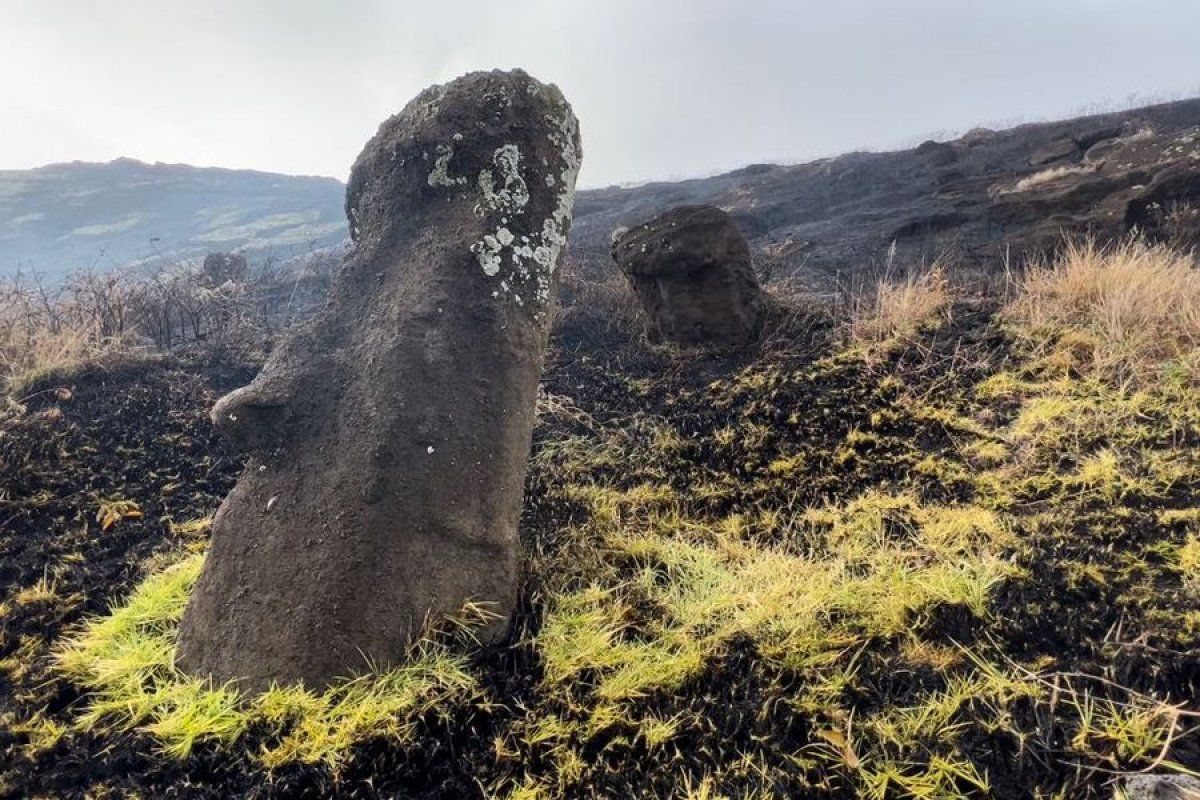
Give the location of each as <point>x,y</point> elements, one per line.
<point>126,660</point>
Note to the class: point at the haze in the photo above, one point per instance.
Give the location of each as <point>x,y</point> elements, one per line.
<point>664,89</point>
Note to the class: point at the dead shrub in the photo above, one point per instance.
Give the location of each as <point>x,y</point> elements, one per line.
<point>595,304</point>
<point>44,329</point>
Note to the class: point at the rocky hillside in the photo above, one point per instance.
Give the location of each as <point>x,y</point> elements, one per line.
<point>982,197</point>
<point>979,198</point>
<point>64,217</point>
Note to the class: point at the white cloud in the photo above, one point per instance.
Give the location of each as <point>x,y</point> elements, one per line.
<point>663,88</point>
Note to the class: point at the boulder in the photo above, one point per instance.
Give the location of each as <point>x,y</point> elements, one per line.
<point>1159,787</point>
<point>388,436</point>
<point>1097,132</point>
<point>690,269</point>
<point>938,154</point>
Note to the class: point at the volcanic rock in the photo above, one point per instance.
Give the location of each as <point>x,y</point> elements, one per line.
<point>691,270</point>
<point>388,437</point>
<point>1056,150</point>
<point>1159,787</point>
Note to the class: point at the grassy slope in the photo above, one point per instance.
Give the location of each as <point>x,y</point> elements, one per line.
<point>958,555</point>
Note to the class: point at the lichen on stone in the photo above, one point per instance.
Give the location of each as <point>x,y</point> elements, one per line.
<point>504,192</point>
<point>440,176</point>
<point>513,194</point>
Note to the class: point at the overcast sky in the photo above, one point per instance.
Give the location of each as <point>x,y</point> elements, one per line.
<point>663,88</point>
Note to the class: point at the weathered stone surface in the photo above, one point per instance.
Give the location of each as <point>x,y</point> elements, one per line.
<point>1056,150</point>
<point>692,273</point>
<point>1159,787</point>
<point>389,435</point>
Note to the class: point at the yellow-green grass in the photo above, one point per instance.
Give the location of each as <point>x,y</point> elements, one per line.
<point>126,658</point>
<point>1061,483</point>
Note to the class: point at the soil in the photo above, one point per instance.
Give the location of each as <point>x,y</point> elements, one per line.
<point>139,432</point>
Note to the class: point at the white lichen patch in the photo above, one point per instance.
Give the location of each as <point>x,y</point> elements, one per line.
<point>504,192</point>
<point>440,176</point>
<point>488,251</point>
<point>564,134</point>
<point>510,194</point>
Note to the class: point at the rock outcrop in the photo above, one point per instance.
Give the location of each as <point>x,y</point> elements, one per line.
<point>691,270</point>
<point>389,435</point>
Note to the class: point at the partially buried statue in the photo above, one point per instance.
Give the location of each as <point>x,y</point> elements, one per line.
<point>388,437</point>
<point>690,268</point>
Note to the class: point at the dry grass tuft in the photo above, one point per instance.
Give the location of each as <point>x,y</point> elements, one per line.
<point>1047,176</point>
<point>898,311</point>
<point>1126,311</point>
<point>31,349</point>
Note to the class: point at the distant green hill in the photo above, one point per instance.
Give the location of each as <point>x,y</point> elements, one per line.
<point>62,217</point>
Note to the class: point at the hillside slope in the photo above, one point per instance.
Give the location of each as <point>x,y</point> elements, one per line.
<point>979,198</point>
<point>946,549</point>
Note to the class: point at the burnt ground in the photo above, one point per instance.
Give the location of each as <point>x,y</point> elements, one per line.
<point>966,199</point>
<point>139,432</point>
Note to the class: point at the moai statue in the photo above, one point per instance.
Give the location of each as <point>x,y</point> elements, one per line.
<point>388,437</point>
<point>690,268</point>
